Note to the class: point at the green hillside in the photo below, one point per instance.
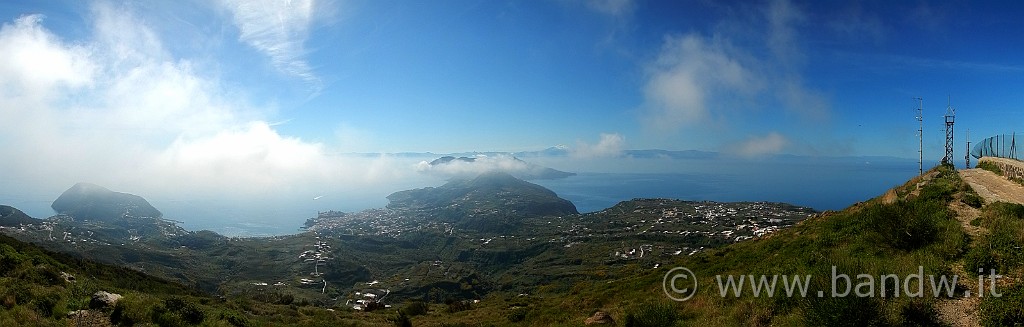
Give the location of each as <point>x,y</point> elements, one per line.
<point>548,269</point>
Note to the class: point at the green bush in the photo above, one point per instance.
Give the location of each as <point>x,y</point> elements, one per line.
<point>46,304</point>
<point>842,311</point>
<point>133,309</point>
<point>235,319</point>
<point>415,308</point>
<point>175,310</point>
<point>987,165</point>
<point>402,320</point>
<point>1005,310</point>
<point>456,306</point>
<point>973,200</point>
<point>652,315</point>
<point>516,315</point>
<point>907,225</point>
<point>919,313</point>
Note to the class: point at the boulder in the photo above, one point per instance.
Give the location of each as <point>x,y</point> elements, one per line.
<point>600,318</point>
<point>103,299</point>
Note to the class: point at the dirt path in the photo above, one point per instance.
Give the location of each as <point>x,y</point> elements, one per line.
<point>963,311</point>
<point>993,187</point>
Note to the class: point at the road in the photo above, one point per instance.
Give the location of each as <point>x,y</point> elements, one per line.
<point>993,187</point>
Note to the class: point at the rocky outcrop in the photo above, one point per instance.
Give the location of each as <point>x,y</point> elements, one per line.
<point>600,318</point>
<point>104,300</point>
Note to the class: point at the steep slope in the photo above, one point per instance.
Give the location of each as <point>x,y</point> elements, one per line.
<point>912,232</point>
<point>93,202</point>
<point>10,216</point>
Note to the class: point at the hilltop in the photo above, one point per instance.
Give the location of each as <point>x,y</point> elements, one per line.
<point>87,201</point>
<point>11,216</point>
<point>487,191</point>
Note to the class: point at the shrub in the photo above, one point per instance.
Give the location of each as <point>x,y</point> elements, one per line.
<point>986,165</point>
<point>46,304</point>
<point>907,225</point>
<point>456,306</point>
<point>1005,310</point>
<point>516,315</point>
<point>973,200</point>
<point>842,311</point>
<point>653,315</point>
<point>415,308</point>
<point>980,258</point>
<point>919,313</point>
<point>235,319</point>
<point>183,309</point>
<point>402,320</point>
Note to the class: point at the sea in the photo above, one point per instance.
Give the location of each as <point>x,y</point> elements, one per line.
<point>831,184</point>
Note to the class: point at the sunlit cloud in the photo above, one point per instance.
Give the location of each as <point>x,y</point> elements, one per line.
<point>610,145</point>
<point>117,109</point>
<point>697,78</point>
<point>692,73</point>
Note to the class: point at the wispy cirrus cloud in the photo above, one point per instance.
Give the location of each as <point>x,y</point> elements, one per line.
<point>279,29</point>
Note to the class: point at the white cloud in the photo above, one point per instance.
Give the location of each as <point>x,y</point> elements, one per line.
<point>33,64</point>
<point>278,29</point>
<point>697,78</point>
<point>771,143</point>
<point>117,109</point>
<point>478,164</point>
<point>610,145</point>
<point>691,72</point>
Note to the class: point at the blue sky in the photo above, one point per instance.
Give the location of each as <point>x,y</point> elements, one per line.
<point>258,95</point>
<point>817,78</point>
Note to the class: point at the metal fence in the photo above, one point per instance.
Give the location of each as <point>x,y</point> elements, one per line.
<point>1003,146</point>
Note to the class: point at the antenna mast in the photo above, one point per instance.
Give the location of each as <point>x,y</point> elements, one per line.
<point>950,116</point>
<point>967,156</point>
<point>920,136</point>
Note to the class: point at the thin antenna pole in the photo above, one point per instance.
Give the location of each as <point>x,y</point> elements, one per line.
<point>920,136</point>
<point>967,156</point>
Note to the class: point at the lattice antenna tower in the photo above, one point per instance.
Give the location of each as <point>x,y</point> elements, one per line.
<point>967,156</point>
<point>920,136</point>
<point>950,117</point>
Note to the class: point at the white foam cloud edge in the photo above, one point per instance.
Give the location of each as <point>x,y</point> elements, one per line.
<point>479,164</point>
<point>116,109</point>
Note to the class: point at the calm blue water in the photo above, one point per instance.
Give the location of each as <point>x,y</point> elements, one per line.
<point>823,184</point>
<point>819,186</point>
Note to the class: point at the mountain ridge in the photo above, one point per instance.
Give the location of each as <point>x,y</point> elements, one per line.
<point>93,202</point>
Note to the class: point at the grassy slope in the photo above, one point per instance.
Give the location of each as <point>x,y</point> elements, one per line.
<point>913,228</point>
